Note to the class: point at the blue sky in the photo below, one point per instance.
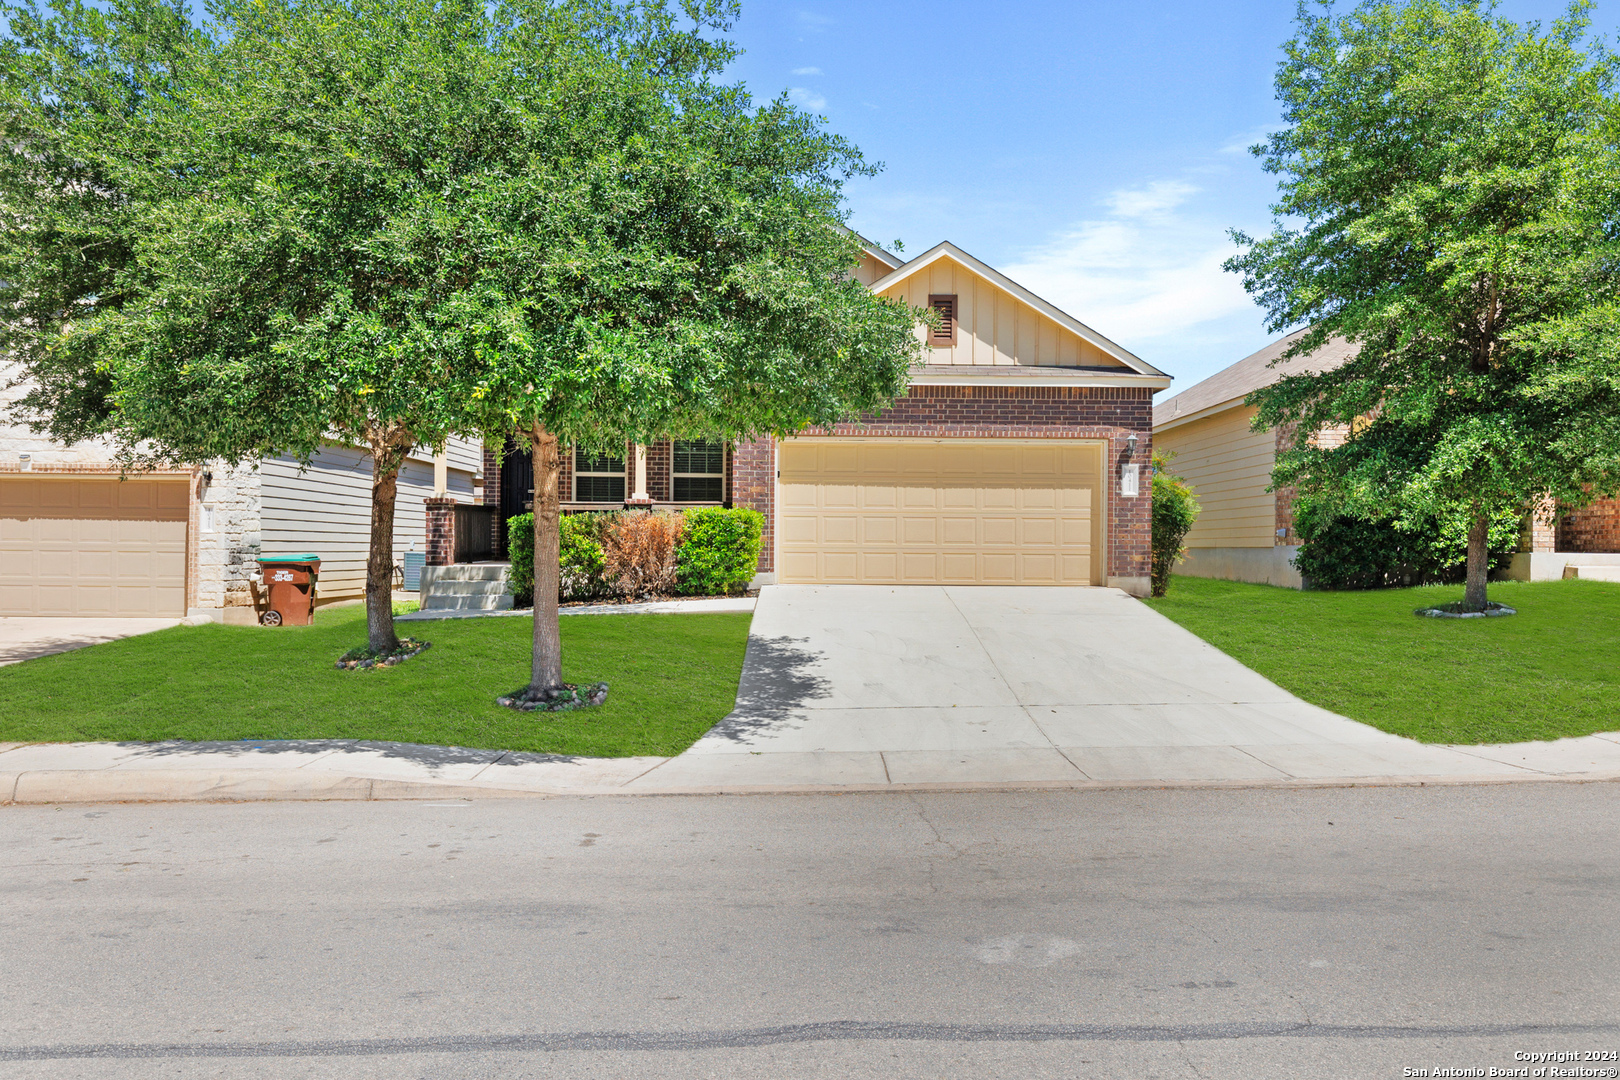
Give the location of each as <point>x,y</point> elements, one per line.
<point>1094,151</point>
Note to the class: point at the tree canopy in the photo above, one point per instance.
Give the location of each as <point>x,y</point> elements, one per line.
<point>1449,186</point>
<point>394,220</point>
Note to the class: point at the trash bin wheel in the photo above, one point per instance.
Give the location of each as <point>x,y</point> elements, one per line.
<point>270,618</point>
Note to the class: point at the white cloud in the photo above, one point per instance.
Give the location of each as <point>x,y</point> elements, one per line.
<point>807,98</point>
<point>807,71</point>
<point>1146,272</point>
<point>1153,202</point>
<point>812,21</point>
<point>1239,144</point>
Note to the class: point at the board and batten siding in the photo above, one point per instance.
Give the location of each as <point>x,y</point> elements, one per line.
<point>1229,468</point>
<point>325,510</point>
<point>994,327</point>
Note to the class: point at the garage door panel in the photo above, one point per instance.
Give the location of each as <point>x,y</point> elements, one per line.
<point>1041,531</point>
<point>93,546</point>
<point>999,568</point>
<point>839,530</point>
<point>919,530</point>
<point>1000,531</point>
<point>879,566</point>
<point>880,530</point>
<point>972,512</point>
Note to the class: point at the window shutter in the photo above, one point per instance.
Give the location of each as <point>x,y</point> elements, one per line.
<point>944,335</point>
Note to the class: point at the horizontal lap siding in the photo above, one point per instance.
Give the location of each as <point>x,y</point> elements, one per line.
<point>326,511</point>
<point>1229,468</point>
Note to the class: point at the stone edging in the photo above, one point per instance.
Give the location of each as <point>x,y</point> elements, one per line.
<point>1493,610</point>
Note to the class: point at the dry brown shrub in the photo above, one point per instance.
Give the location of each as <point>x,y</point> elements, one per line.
<point>639,552</point>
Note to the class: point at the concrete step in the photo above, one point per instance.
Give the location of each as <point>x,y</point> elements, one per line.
<point>467,572</point>
<point>467,602</point>
<point>1592,573</point>
<point>467,587</point>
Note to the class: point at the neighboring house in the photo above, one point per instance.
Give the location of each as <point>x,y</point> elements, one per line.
<point>1246,532</point>
<point>1017,456</point>
<point>75,539</point>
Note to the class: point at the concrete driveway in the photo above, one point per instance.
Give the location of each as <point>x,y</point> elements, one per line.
<point>25,637</point>
<point>868,685</point>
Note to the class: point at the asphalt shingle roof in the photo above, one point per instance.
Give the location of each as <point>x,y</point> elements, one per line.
<point>1250,374</point>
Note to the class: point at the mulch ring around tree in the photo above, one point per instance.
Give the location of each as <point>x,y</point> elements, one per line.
<point>364,657</point>
<point>555,698</point>
<point>1493,610</point>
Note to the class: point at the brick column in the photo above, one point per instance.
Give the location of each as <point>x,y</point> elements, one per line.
<point>753,484</point>
<point>441,531</point>
<point>1130,520</point>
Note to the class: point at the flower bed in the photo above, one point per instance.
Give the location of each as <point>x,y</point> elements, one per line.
<point>557,699</point>
<point>356,659</point>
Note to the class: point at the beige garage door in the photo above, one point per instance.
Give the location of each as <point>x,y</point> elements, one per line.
<point>979,512</point>
<point>92,546</point>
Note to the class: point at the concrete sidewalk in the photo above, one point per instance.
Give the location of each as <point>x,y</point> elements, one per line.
<point>869,689</point>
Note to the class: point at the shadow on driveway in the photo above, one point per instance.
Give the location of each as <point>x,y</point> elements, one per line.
<point>778,681</point>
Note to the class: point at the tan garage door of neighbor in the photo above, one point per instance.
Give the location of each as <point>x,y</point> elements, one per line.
<point>948,512</point>
<point>92,546</point>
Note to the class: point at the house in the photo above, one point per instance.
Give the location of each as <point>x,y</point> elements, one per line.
<point>76,539</point>
<point>1245,531</point>
<point>1015,458</point>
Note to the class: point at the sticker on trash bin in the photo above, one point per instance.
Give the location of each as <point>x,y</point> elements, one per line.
<point>281,575</point>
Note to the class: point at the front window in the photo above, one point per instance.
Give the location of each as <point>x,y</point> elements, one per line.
<point>598,478</point>
<point>700,470</point>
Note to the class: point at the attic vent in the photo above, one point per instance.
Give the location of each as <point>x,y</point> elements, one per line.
<point>944,335</point>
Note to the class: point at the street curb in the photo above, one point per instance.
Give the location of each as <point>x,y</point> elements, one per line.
<point>71,786</point>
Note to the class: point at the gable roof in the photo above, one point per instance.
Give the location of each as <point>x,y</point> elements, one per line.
<point>946,249</point>
<point>1227,388</point>
<point>889,259</point>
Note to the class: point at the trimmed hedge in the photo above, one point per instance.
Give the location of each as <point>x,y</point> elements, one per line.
<point>579,555</point>
<point>719,550</point>
<point>1353,553</point>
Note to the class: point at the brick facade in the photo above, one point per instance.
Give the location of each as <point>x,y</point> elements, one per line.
<point>753,484</point>
<point>998,412</point>
<point>1592,529</point>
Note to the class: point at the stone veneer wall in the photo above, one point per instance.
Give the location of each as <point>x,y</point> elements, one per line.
<point>1006,412</point>
<point>225,567</point>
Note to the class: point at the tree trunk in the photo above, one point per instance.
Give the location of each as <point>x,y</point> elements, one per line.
<point>1479,561</point>
<point>546,672</point>
<point>385,464</point>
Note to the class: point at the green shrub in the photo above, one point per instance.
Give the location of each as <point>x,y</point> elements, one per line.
<point>719,550</point>
<point>580,561</point>
<point>580,558</point>
<point>1338,552</point>
<point>520,551</point>
<point>1174,511</point>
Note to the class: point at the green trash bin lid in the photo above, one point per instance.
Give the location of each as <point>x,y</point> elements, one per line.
<point>289,558</point>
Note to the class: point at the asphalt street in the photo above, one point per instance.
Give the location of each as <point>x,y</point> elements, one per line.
<point>1304,933</point>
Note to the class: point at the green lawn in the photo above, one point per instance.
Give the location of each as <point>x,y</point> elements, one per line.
<point>1550,671</point>
<point>670,676</point>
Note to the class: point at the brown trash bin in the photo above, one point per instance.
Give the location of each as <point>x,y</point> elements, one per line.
<point>290,589</point>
